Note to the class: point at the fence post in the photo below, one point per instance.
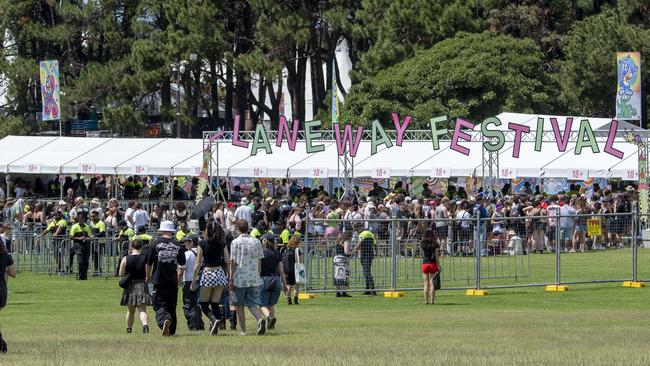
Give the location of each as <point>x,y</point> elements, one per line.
<point>393,269</point>
<point>477,251</point>
<point>558,223</point>
<point>635,243</point>
<point>306,257</point>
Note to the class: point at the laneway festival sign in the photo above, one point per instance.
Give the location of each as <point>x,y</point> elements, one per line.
<point>49,72</point>
<point>628,91</point>
<point>347,139</point>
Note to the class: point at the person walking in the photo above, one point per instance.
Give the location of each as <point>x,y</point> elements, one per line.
<point>136,294</point>
<point>290,256</point>
<point>80,234</point>
<point>244,276</point>
<point>273,281</point>
<point>165,264</point>
<point>211,258</point>
<point>7,268</point>
<point>191,308</point>
<point>430,268</point>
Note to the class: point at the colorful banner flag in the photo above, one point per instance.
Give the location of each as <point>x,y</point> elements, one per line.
<point>628,94</point>
<point>50,98</point>
<point>335,97</point>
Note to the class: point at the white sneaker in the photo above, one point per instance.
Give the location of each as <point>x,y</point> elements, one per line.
<point>572,251</point>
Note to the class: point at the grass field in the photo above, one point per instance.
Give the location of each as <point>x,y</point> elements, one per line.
<point>59,321</point>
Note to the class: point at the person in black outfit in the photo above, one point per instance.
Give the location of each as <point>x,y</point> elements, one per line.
<point>273,279</point>
<point>163,261</point>
<point>8,268</point>
<point>210,267</point>
<point>136,295</point>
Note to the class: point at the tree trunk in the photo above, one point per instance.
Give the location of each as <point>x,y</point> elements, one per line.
<point>229,95</point>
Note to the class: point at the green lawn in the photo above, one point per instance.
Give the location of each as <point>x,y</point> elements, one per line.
<point>59,321</point>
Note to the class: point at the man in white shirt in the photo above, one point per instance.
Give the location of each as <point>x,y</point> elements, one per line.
<point>229,225</point>
<point>140,216</point>
<point>246,254</point>
<point>128,215</point>
<point>244,212</point>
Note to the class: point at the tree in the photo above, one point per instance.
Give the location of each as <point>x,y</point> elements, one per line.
<point>470,75</point>
<point>588,73</point>
<point>386,32</point>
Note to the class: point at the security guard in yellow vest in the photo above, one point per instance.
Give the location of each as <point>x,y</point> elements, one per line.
<point>145,238</point>
<point>57,228</point>
<point>81,234</point>
<point>98,228</point>
<point>366,248</point>
<point>182,230</point>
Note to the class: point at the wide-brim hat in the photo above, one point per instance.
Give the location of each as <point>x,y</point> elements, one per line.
<point>244,201</point>
<point>629,188</point>
<point>96,201</point>
<point>167,226</point>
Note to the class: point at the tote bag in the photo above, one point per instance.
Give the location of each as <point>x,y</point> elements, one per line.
<point>299,270</point>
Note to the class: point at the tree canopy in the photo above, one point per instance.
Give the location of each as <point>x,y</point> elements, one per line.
<point>470,75</point>
<point>469,58</point>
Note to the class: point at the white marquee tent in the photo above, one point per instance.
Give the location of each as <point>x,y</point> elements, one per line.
<point>183,157</point>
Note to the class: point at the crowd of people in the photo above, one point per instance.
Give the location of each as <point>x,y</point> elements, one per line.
<point>245,251</point>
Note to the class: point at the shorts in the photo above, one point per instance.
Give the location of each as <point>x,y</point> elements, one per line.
<point>566,233</point>
<point>270,298</point>
<point>331,231</point>
<point>498,229</point>
<point>429,267</point>
<point>290,277</point>
<point>213,278</point>
<point>245,296</point>
<point>581,228</point>
<point>442,232</point>
<point>3,297</point>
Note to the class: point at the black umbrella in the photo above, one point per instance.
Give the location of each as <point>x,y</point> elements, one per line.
<point>203,207</point>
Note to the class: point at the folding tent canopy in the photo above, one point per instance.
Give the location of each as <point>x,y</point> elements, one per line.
<point>160,158</point>
<point>274,165</point>
<point>590,165</point>
<point>183,157</point>
<point>324,164</point>
<point>49,158</point>
<point>104,158</point>
<point>397,160</point>
<point>450,163</point>
<point>13,148</point>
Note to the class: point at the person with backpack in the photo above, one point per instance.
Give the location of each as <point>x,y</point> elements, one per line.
<point>290,256</point>
<point>165,264</point>
<point>366,248</point>
<point>211,258</point>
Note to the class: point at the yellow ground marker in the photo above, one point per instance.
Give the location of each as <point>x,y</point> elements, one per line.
<point>633,284</point>
<point>557,288</point>
<point>474,292</point>
<point>305,296</point>
<point>393,294</point>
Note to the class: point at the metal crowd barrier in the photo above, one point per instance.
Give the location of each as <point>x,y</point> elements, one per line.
<point>480,253</point>
<point>55,255</point>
